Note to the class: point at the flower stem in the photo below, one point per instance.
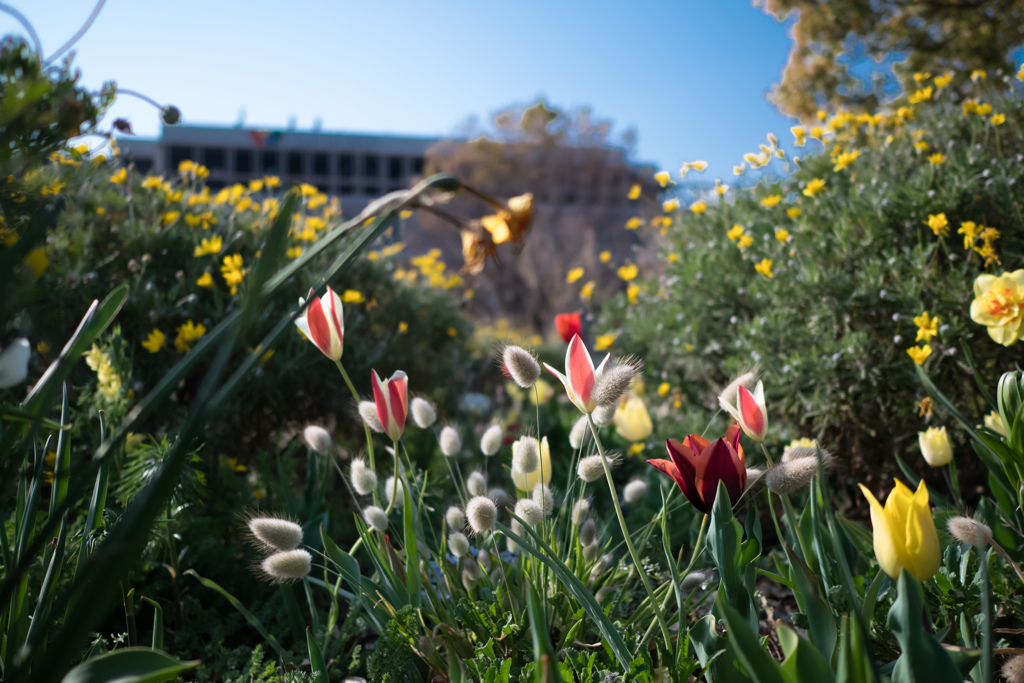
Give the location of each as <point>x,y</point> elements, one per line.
<point>986,608</point>
<point>369,436</point>
<point>625,533</point>
<point>394,486</point>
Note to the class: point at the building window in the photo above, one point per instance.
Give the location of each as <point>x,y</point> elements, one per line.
<point>320,164</point>
<point>395,170</point>
<point>371,190</point>
<point>346,190</point>
<point>269,161</point>
<point>213,158</point>
<point>371,167</point>
<point>179,154</point>
<point>346,165</point>
<point>417,165</point>
<point>215,185</point>
<point>144,165</point>
<point>243,161</point>
<point>296,163</point>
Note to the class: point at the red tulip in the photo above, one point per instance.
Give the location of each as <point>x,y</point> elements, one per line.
<point>391,397</point>
<point>568,325</point>
<point>697,466</point>
<point>323,324</point>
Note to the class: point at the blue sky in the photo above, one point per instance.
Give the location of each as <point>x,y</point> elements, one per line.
<point>690,76</point>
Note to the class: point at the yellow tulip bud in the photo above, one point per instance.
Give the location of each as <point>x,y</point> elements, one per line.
<point>904,532</point>
<point>632,419</point>
<point>935,446</point>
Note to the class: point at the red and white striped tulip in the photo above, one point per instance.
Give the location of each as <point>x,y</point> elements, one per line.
<point>391,397</point>
<point>580,375</point>
<point>749,411</point>
<point>324,323</point>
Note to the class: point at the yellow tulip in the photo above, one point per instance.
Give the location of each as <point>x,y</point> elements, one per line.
<point>526,482</point>
<point>994,422</point>
<point>632,420</point>
<point>935,448</point>
<point>904,532</point>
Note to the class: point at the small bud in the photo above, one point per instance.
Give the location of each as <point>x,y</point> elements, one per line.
<point>521,365</point>
<point>455,519</point>
<point>579,432</point>
<point>591,468</point>
<point>276,534</point>
<point>692,581</point>
<point>635,491</point>
<point>526,455</point>
<point>543,497</point>
<point>290,565</point>
<point>368,411</point>
<point>483,558</point>
<point>604,415</point>
<point>317,439</point>
<point>476,483</point>
<point>500,497</point>
<point>470,576</point>
<point>588,532</point>
<point>375,518</point>
<point>490,442</point>
<point>788,477</point>
<point>590,552</point>
<point>731,391</point>
<point>481,513</point>
<point>458,544</point>
<point>580,511</point>
<point>364,481</point>
<point>123,126</point>
<point>395,490</point>
<point>170,114</point>
<point>529,511</point>
<point>970,531</point>
<point>612,384</point>
<point>423,413</point>
<point>451,443</point>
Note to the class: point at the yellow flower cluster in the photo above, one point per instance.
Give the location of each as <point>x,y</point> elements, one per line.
<point>973,232</point>
<point>927,327</point>
<point>232,272</point>
<point>187,334</point>
<point>109,381</point>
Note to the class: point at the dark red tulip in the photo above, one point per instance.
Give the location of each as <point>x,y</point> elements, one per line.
<point>697,466</point>
<point>568,325</point>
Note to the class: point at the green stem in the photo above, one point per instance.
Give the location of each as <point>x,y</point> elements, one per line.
<point>394,486</point>
<point>986,610</point>
<point>795,527</point>
<point>625,533</point>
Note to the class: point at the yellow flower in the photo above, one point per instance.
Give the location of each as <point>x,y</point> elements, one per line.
<point>155,341</point>
<point>272,181</point>
<point>938,223</point>
<point>998,119</point>
<point>738,170</point>
<point>527,482</point>
<point>745,241</point>
<point>634,191</point>
<point>698,206</point>
<point>574,275</point>
<point>152,182</point>
<point>663,388</point>
<point>603,342</point>
<point>771,200</point>
<point>668,206</point>
<point>904,532</point>
<point>587,291</point>
<point>1020,74</point>
<point>922,95</point>
<point>994,422</point>
<point>920,77</point>
<point>636,448</point>
<point>764,267</point>
<point>452,332</point>
<point>634,222</point>
<point>921,146</point>
<point>662,177</point>
<point>936,159</point>
<point>943,80</point>
<point>205,280</point>
<point>120,176</point>
<point>208,246</point>
<point>403,327</point>
<point>671,258</point>
<point>978,75</point>
<point>935,447</point>
<point>782,235</point>
<point>255,185</point>
<point>632,421</point>
<point>187,334</point>
<point>927,327</point>
<point>632,292</point>
<point>628,272</point>
<point>296,252</point>
<point>735,232</point>
<point>999,305</point>
<point>698,166</point>
<point>170,217</point>
<point>720,189</point>
<point>794,212</point>
<point>845,159</point>
<point>37,260</point>
<point>351,296</point>
<point>605,256</point>
<point>814,187</point>
<point>920,353</point>
<point>232,271</point>
<point>52,187</point>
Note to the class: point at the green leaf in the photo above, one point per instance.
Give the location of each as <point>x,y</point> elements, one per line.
<point>412,557</point>
<point>727,552</point>
<point>158,623</point>
<point>758,663</point>
<point>871,596</point>
<point>803,662</point>
<point>365,589</point>
<point>854,665</point>
<point>131,665</point>
<point>716,658</point>
<point>922,659</point>
<point>821,623</point>
<point>316,659</point>
<point>249,616</point>
<point>546,661</point>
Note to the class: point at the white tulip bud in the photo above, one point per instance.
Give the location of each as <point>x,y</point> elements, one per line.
<point>375,518</point>
<point>490,442</point>
<point>529,511</point>
<point>476,483</point>
<point>317,439</point>
<point>526,455</point>
<point>579,432</point>
<point>423,413</point>
<point>635,491</point>
<point>481,514</point>
<point>451,443</point>
<point>275,534</point>
<point>458,544</point>
<point>290,565</point>
<point>455,519</point>
<point>364,481</point>
<point>935,447</point>
<point>368,411</point>
<point>14,362</point>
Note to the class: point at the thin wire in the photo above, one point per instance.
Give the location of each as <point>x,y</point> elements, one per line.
<point>25,23</point>
<point>81,32</point>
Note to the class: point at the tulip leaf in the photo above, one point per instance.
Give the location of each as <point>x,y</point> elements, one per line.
<point>923,659</point>
<point>545,659</point>
<point>716,658</point>
<point>854,665</point>
<point>747,647</point>
<point>237,604</point>
<point>803,661</point>
<point>129,665</point>
<point>729,555</point>
<point>412,557</point>
<point>363,587</point>
<point>316,658</point>
<point>821,623</point>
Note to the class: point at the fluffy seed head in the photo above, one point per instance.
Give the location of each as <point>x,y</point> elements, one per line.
<point>579,432</point>
<point>543,497</point>
<point>497,575</point>
<point>526,455</point>
<point>612,384</point>
<point>746,379</point>
<point>521,365</point>
<point>1013,670</point>
<point>375,518</point>
<point>397,495</point>
<point>364,481</point>
<point>490,442</point>
<point>591,469</point>
<point>458,544</point>
<point>500,497</point>
<point>590,552</point>
<point>970,531</point>
<point>481,513</point>
<point>276,534</point>
<point>635,491</point>
<point>423,413</point>
<point>529,511</point>
<point>451,443</point>
<point>476,482</point>
<point>692,580</point>
<point>368,411</point>
<point>317,439</point>
<point>588,532</point>
<point>518,530</point>
<point>470,576</point>
<point>289,565</point>
<point>483,558</point>
<point>580,510</point>
<point>603,415</point>
<point>787,477</point>
<point>455,519</point>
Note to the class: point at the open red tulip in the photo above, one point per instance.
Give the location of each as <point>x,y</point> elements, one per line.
<point>697,466</point>
<point>568,325</point>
